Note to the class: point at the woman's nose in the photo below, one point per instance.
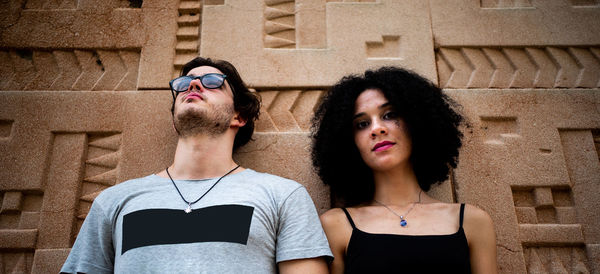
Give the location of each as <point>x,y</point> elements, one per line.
<point>378,129</point>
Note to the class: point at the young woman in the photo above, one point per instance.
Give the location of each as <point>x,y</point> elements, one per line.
<point>380,141</point>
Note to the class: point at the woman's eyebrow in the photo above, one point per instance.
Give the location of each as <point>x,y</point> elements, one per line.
<point>358,115</point>
<point>362,113</point>
<point>385,105</point>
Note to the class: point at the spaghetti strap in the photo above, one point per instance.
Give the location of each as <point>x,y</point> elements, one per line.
<point>462,214</point>
<point>349,218</point>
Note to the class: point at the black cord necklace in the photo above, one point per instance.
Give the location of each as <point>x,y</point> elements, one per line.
<point>189,207</point>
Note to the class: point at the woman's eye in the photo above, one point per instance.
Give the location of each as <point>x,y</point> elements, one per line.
<point>361,124</point>
<point>390,115</point>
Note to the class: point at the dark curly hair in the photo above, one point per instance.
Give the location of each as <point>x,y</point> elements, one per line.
<point>245,102</point>
<point>430,115</point>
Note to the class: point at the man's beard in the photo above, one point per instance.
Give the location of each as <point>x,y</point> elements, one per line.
<point>192,121</point>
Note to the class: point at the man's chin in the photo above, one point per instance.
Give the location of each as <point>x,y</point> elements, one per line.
<point>192,121</point>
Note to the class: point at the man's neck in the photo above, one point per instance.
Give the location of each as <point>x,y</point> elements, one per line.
<point>201,157</point>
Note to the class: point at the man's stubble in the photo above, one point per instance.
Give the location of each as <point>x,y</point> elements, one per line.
<point>195,121</point>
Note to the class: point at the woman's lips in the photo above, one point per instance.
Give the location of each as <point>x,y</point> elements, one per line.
<point>383,146</point>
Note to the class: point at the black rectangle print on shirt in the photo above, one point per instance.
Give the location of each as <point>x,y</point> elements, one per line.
<point>223,223</point>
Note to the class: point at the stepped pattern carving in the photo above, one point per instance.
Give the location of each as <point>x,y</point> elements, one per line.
<point>19,220</point>
<point>188,33</point>
<point>551,237</point>
<point>101,169</point>
<point>280,25</point>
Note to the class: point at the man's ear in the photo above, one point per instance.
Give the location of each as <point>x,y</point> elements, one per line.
<point>238,121</point>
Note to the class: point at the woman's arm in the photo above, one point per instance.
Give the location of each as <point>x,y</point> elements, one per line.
<point>479,230</point>
<point>338,232</point>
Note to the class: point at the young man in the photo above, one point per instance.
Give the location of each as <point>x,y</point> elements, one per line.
<point>204,213</point>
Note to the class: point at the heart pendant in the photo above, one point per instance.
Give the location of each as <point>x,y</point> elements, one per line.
<point>188,209</point>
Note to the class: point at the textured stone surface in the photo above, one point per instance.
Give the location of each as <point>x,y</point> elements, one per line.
<point>11,201</point>
<point>18,239</point>
<point>84,105</point>
<point>515,22</point>
<point>272,50</point>
<point>49,260</point>
<point>45,45</point>
<point>518,67</point>
<point>523,146</point>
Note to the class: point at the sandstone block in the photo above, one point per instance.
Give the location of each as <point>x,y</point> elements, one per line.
<point>12,202</point>
<point>501,23</point>
<point>276,49</point>
<point>18,238</point>
<point>49,260</point>
<point>543,197</point>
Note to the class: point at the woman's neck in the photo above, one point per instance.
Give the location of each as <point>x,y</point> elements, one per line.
<point>397,186</point>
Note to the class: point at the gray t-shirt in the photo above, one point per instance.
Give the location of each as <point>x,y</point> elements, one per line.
<point>246,224</point>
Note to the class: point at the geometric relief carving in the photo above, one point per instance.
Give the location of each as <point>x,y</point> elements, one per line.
<point>68,69</point>
<point>188,33</point>
<point>19,219</point>
<point>555,260</point>
<point>326,32</point>
<point>288,110</point>
<point>544,205</point>
<point>16,262</point>
<point>50,4</point>
<point>73,4</point>
<point>512,67</point>
<point>388,47</point>
<point>499,129</point>
<point>505,3</point>
<point>280,24</point>
<point>101,170</point>
<point>552,240</point>
<point>596,136</point>
<point>580,151</point>
<point>5,128</point>
<point>61,181</point>
<point>20,210</point>
<point>290,24</point>
<point>585,2</point>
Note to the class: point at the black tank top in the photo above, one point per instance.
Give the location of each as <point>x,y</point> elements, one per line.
<point>391,253</point>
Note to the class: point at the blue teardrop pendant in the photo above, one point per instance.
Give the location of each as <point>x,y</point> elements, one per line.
<point>403,223</point>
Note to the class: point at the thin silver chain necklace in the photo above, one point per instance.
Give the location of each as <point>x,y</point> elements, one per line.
<point>189,207</point>
<point>403,221</point>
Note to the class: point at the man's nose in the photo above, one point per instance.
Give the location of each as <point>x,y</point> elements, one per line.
<point>196,85</point>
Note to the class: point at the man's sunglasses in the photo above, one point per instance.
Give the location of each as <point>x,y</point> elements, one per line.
<point>209,80</point>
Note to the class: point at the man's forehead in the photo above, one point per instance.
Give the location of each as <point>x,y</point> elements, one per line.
<point>199,71</point>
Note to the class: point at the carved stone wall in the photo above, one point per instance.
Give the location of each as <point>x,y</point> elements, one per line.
<point>84,105</point>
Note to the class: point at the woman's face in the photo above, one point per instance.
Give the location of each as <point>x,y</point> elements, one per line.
<point>379,132</point>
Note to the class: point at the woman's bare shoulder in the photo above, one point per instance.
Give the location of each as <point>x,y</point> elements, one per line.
<point>476,216</point>
<point>478,226</point>
<point>333,217</point>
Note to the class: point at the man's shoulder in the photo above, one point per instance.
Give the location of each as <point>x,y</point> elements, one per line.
<point>269,179</point>
<point>125,188</point>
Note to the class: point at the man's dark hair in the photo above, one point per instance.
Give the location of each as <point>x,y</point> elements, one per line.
<point>431,121</point>
<point>245,102</point>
